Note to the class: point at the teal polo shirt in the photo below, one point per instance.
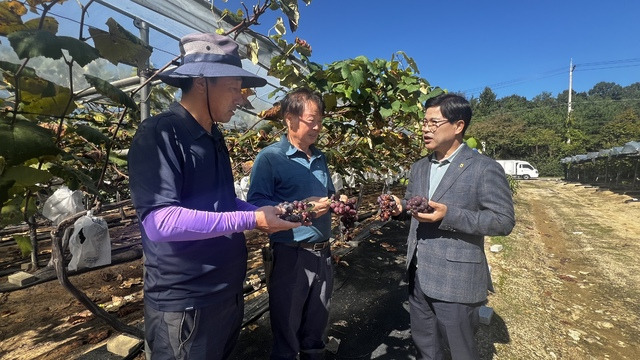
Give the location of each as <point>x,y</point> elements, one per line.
<point>280,173</point>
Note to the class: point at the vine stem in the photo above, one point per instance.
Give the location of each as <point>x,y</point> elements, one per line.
<point>63,230</point>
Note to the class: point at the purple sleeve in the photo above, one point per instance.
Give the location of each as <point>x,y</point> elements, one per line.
<point>245,206</point>
<point>175,223</point>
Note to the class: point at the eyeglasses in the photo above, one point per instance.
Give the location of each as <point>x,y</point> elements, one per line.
<point>312,122</point>
<point>434,124</point>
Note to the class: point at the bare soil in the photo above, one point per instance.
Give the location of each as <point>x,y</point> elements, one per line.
<point>567,285</point>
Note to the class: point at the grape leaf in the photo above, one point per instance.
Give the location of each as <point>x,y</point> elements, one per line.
<point>34,43</point>
<point>24,244</point>
<point>120,46</point>
<point>81,52</point>
<point>290,8</point>
<point>92,134</point>
<point>25,176</point>
<point>11,16</point>
<point>24,140</point>
<point>110,91</point>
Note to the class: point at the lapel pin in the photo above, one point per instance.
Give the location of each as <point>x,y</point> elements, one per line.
<point>461,165</point>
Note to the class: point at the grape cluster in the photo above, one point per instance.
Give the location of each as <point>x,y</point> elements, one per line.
<point>387,206</point>
<point>418,204</point>
<point>303,43</point>
<point>297,211</point>
<point>347,210</point>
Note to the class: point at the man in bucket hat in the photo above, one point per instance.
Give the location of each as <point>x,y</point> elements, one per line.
<point>191,220</point>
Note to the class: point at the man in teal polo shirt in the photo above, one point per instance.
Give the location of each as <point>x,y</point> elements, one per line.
<point>302,278</point>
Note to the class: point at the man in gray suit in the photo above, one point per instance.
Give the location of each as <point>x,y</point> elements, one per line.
<point>447,268</point>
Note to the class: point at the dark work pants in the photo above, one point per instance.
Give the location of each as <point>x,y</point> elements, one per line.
<point>207,333</point>
<point>299,296</point>
<point>436,325</point>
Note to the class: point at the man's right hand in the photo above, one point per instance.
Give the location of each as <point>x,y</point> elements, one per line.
<point>267,220</point>
<point>398,210</point>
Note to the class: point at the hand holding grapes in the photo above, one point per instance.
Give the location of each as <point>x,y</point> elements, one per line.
<point>297,211</point>
<point>321,205</point>
<point>389,206</point>
<point>269,220</point>
<point>435,213</point>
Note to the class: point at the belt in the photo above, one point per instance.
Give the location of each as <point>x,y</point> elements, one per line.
<point>315,246</point>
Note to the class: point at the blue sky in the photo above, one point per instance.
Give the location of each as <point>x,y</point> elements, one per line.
<point>512,46</point>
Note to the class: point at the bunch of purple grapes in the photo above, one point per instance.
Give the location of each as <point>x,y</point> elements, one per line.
<point>297,211</point>
<point>347,210</point>
<point>418,204</point>
<point>387,206</point>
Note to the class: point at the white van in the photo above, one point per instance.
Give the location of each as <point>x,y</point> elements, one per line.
<point>519,169</point>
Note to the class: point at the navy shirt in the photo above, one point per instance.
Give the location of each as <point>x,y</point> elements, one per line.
<point>280,173</point>
<point>174,161</point>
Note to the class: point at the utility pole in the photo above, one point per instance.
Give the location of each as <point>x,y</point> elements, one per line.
<point>571,68</point>
<point>569,109</point>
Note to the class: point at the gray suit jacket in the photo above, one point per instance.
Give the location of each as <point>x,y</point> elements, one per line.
<point>450,258</point>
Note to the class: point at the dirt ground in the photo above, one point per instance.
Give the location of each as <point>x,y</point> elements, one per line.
<point>568,279</point>
<point>567,286</point>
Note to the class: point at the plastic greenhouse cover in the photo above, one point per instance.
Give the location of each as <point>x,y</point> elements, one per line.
<point>631,148</point>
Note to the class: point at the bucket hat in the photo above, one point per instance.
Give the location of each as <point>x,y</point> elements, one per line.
<point>209,55</point>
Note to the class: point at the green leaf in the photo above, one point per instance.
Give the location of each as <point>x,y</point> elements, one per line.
<point>330,101</point>
<point>25,140</point>
<point>34,43</point>
<point>74,178</point>
<point>114,159</point>
<point>52,100</point>
<point>92,134</point>
<point>252,51</point>
<point>5,186</point>
<point>24,244</point>
<point>385,113</point>
<point>356,78</point>
<point>472,143</point>
<point>290,8</point>
<point>10,214</point>
<point>25,176</point>
<point>345,70</point>
<point>279,26</point>
<point>410,61</point>
<point>11,16</point>
<point>48,24</point>
<point>110,91</point>
<point>13,68</point>
<point>120,46</point>
<point>81,52</point>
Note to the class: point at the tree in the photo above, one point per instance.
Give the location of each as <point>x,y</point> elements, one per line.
<point>486,103</point>
<point>606,90</point>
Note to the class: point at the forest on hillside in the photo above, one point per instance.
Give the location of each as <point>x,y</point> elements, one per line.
<point>540,131</point>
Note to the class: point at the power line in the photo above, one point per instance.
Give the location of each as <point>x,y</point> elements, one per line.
<point>578,102</point>
<point>599,65</point>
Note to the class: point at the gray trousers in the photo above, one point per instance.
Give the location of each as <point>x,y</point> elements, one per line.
<point>299,297</point>
<point>439,327</point>
<point>207,333</point>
